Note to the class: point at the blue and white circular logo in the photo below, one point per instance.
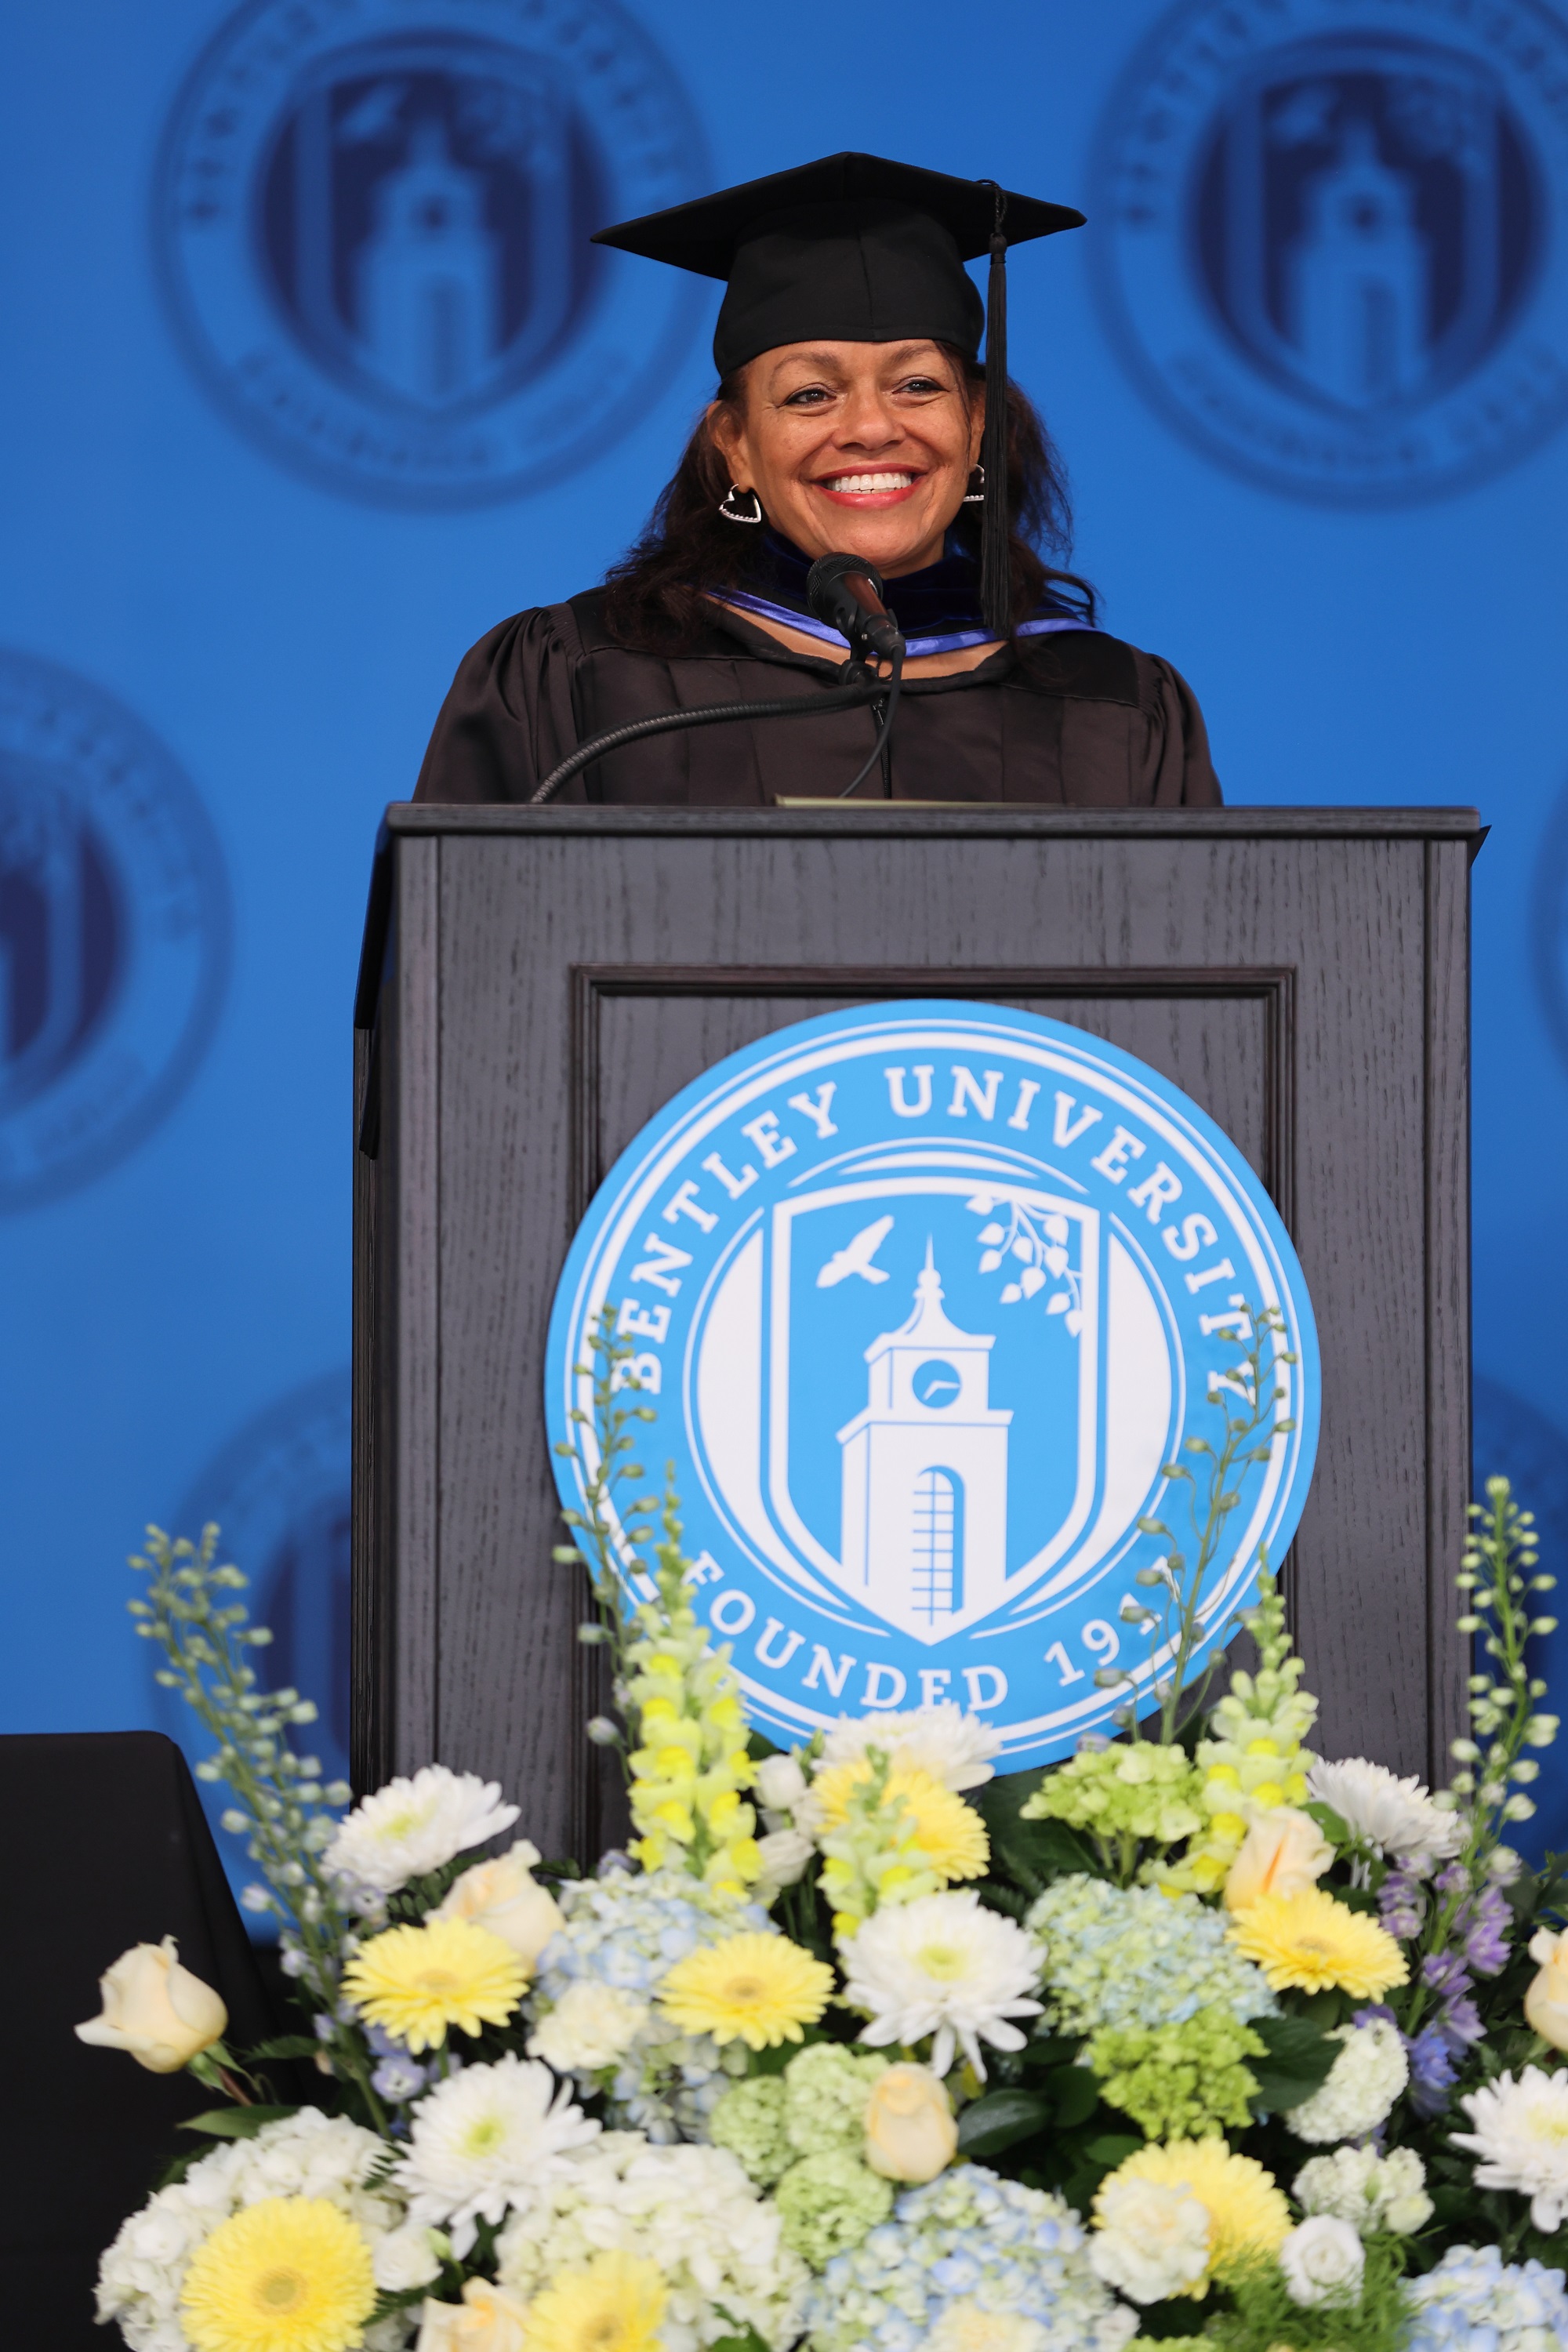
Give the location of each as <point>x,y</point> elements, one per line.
<point>1332,238</point>
<point>114,930</point>
<point>924,1297</point>
<point>372,225</point>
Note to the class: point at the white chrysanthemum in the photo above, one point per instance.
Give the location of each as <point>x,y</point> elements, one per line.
<point>942,1966</point>
<point>1398,1817</point>
<point>954,1748</point>
<point>414,1826</point>
<point>690,2209</point>
<point>1372,2192</point>
<point>308,2155</point>
<point>484,2139</point>
<point>1364,2081</point>
<point>1154,2239</point>
<point>591,2026</point>
<point>1522,2137</point>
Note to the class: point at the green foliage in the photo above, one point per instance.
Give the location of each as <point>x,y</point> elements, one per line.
<point>1000,2120</point>
<point>1296,2059</point>
<point>1264,2318</point>
<point>236,2123</point>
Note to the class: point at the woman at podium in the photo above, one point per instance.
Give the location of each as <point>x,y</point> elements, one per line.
<point>852,415</point>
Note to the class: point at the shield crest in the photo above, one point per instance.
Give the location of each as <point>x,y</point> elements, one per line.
<point>903,1395</point>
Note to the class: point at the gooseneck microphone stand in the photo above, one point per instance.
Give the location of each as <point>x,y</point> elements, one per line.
<point>844,592</point>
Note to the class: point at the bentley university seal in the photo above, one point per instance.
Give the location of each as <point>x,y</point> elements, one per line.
<point>924,1298</point>
<point>114,930</point>
<point>1334,246</point>
<point>372,222</point>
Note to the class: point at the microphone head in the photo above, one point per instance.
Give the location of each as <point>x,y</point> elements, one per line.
<point>848,593</point>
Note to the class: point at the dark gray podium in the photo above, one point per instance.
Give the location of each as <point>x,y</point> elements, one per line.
<point>537,983</point>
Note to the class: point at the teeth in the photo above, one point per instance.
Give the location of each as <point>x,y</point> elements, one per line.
<point>863,482</point>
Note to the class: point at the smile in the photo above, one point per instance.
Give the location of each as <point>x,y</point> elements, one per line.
<point>887,488</point>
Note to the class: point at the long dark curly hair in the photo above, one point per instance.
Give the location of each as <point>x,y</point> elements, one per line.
<point>654,599</point>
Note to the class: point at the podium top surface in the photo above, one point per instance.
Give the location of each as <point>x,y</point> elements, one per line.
<point>980,817</point>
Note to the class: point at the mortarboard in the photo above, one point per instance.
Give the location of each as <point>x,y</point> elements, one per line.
<point>855,248</point>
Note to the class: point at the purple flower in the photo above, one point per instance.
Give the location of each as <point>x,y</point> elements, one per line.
<point>1432,2071</point>
<point>399,2079</point>
<point>1461,2023</point>
<point>1486,1933</point>
<point>1455,1880</point>
<point>1402,1902</point>
<point>1445,1973</point>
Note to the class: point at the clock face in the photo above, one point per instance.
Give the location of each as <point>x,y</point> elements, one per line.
<point>936,1384</point>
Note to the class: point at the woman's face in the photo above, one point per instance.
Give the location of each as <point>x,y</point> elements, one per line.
<point>856,448</point>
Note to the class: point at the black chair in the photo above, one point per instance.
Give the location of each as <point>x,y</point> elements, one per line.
<point>104,1844</point>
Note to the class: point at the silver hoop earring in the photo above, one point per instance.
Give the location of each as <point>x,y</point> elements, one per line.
<point>975,496</point>
<point>728,512</point>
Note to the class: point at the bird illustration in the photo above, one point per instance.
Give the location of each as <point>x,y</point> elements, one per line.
<point>857,1255</point>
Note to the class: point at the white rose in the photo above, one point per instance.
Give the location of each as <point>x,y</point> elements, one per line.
<point>780,1784</point>
<point>591,2026</point>
<point>504,1897</point>
<point>1153,2239</point>
<point>404,2258</point>
<point>1322,2261</point>
<point>155,2010</point>
<point>784,1854</point>
<point>487,2320</point>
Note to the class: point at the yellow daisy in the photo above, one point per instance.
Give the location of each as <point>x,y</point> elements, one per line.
<point>290,2274</point>
<point>615,2305</point>
<point>1309,1939</point>
<point>414,1982</point>
<point>1247,2210</point>
<point>950,1834</point>
<point>763,1989</point>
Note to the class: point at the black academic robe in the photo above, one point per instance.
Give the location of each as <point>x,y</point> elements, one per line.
<point>1076,718</point>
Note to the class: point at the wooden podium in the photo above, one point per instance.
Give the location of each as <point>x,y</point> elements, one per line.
<point>536,982</point>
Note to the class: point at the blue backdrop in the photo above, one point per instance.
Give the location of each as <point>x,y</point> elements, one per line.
<point>310,379</point>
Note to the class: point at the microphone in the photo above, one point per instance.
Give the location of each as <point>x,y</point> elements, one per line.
<point>846,593</point>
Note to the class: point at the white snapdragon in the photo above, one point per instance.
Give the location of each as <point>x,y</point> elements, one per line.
<point>1366,2078</point>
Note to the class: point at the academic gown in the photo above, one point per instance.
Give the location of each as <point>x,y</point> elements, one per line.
<point>1076,718</point>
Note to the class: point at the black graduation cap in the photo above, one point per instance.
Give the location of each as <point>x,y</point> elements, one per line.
<point>856,248</point>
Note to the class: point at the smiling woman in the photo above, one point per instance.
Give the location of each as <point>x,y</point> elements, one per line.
<point>852,415</point>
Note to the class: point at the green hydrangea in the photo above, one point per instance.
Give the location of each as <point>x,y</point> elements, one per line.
<point>1180,2081</point>
<point>825,2094</point>
<point>1122,1794</point>
<point>828,2203</point>
<point>749,2120</point>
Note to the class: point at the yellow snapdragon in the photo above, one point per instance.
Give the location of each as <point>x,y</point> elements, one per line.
<point>691,1763</point>
<point>1252,1758</point>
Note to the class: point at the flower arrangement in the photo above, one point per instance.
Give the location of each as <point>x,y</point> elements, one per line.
<point>1194,2037</point>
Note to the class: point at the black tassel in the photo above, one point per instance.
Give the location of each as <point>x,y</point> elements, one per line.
<point>996,566</point>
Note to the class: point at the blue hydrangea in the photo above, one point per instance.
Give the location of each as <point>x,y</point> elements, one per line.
<point>628,1929</point>
<point>1475,2302</point>
<point>1131,1956</point>
<point>968,2236</point>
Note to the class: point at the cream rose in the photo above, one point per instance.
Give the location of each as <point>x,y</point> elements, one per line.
<point>487,2320</point>
<point>504,1897</point>
<point>155,2010</point>
<point>1546,2002</point>
<point>1283,1853</point>
<point>910,2134</point>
